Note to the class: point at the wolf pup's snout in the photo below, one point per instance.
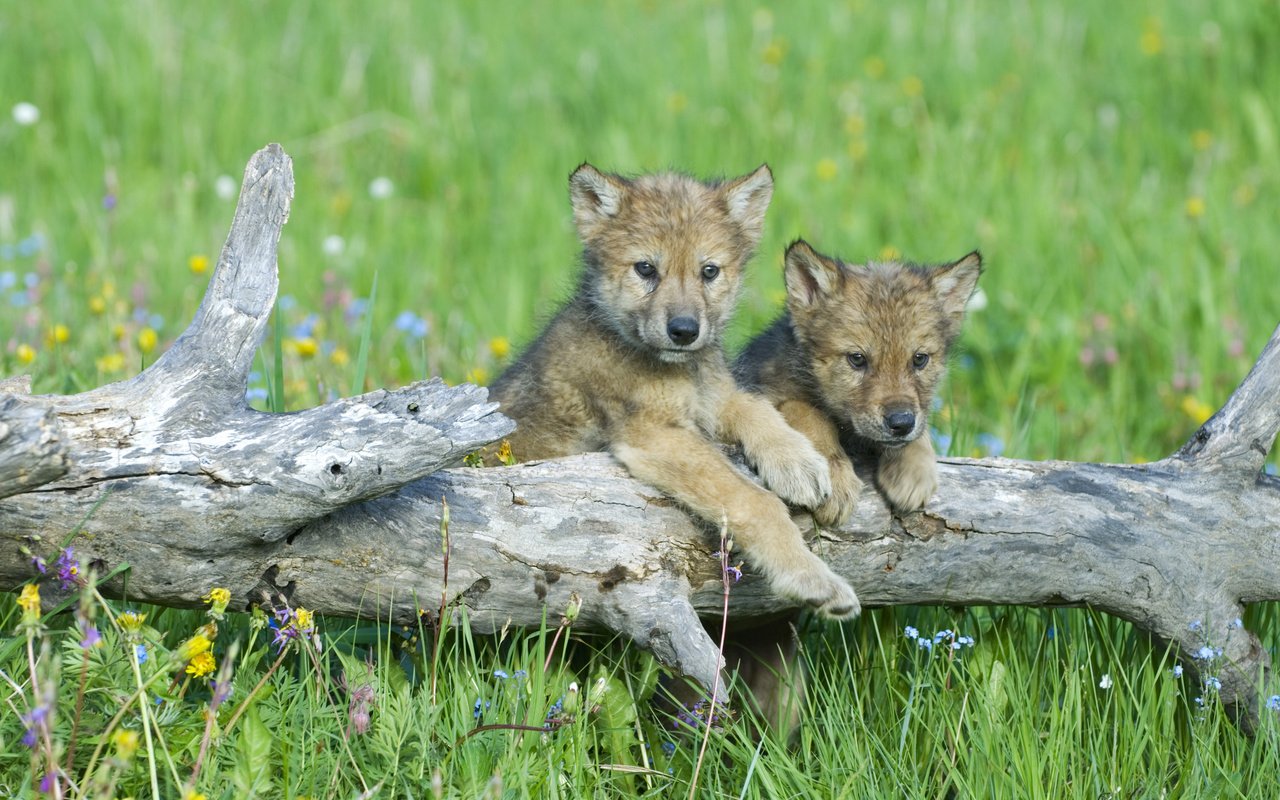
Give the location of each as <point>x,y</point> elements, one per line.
<point>682,330</point>
<point>900,422</point>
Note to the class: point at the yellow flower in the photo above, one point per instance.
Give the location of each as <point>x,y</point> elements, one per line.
<point>58,334</point>
<point>1195,207</point>
<point>192,794</point>
<point>773,53</point>
<point>29,600</point>
<point>111,362</point>
<point>198,263</point>
<point>890,253</point>
<point>147,340</point>
<point>303,619</point>
<point>126,744</point>
<point>858,149</point>
<point>217,598</point>
<point>912,86</point>
<point>874,67</point>
<point>340,203</point>
<point>504,453</point>
<point>131,621</point>
<point>1198,410</point>
<point>827,169</point>
<point>855,125</point>
<point>25,354</point>
<point>117,331</point>
<point>193,647</point>
<point>1151,42</point>
<point>1202,139</point>
<point>340,357</point>
<point>201,665</point>
<point>306,347</point>
<point>677,102</point>
<point>500,347</point>
<point>97,305</point>
<point>479,376</point>
<point>1244,194</point>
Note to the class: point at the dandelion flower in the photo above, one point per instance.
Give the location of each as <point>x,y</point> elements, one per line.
<point>874,67</point>
<point>217,598</point>
<point>305,347</point>
<point>890,253</point>
<point>25,354</point>
<point>477,375</point>
<point>125,743</point>
<point>58,334</point>
<point>198,264</point>
<point>193,647</point>
<point>1198,410</point>
<point>1202,139</point>
<point>827,169</point>
<point>147,340</point>
<point>29,601</point>
<point>912,86</point>
<point>201,665</point>
<point>97,305</point>
<point>500,347</point>
<point>773,53</point>
<point>1195,207</point>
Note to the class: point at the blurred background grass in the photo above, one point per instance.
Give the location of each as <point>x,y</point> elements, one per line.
<point>1117,163</point>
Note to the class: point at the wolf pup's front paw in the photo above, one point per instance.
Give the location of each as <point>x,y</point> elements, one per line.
<point>797,472</point>
<point>819,587</point>
<point>845,489</point>
<point>908,476</point>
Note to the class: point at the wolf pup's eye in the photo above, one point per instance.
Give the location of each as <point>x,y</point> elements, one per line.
<point>858,361</point>
<point>645,269</point>
<point>710,271</point>
<point>920,360</point>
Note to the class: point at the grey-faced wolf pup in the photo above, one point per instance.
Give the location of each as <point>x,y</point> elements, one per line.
<point>854,363</point>
<point>633,364</point>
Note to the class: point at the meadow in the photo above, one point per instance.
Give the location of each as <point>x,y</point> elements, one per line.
<point>1118,164</point>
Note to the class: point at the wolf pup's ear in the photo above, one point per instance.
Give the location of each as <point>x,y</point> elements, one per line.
<point>747,198</point>
<point>954,284</point>
<point>810,276</point>
<point>596,196</point>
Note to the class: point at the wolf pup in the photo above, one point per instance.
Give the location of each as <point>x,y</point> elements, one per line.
<point>854,362</point>
<point>633,364</point>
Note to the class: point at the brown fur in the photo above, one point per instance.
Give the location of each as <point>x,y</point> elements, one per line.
<point>855,362</point>
<point>633,364</point>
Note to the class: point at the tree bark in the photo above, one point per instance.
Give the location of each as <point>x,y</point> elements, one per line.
<point>340,508</point>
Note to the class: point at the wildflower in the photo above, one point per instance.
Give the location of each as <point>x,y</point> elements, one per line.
<point>25,114</point>
<point>890,253</point>
<point>201,665</point>
<point>925,643</point>
<point>1237,623</point>
<point>504,453</point>
<point>912,86</point>
<point>225,187</point>
<point>967,641</point>
<point>29,600</point>
<point>773,53</point>
<point>1198,410</point>
<point>36,722</point>
<point>362,698</point>
<point>911,632</point>
<point>147,340</point>
<point>677,102</point>
<point>827,169</point>
<point>192,794</point>
<point>500,347</point>
<point>1151,43</point>
<point>1195,625</point>
<point>198,264</point>
<point>478,375</point>
<point>734,572</point>
<point>1213,683</point>
<point>131,621</point>
<point>521,674</point>
<point>193,647</point>
<point>58,334</point>
<point>257,393</point>
<point>25,354</point>
<point>1105,683</point>
<point>68,569</point>
<point>339,357</point>
<point>304,620</point>
<point>1194,207</point>
<point>1202,139</point>
<point>1177,670</point>
<point>305,347</point>
<point>111,362</point>
<point>92,638</point>
<point>410,323</point>
<point>381,187</point>
<point>126,744</point>
<point>217,598</point>
<point>991,444</point>
<point>40,564</point>
<point>333,245</point>
<point>97,305</point>
<point>977,300</point>
<point>943,634</point>
<point>1273,702</point>
<point>481,705</point>
<point>140,652</point>
<point>874,67</point>
<point>669,748</point>
<point>1207,653</point>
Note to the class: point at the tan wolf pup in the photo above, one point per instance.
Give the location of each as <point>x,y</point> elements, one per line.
<point>633,364</point>
<point>854,363</point>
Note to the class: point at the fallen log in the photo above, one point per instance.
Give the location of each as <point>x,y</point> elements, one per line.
<point>339,508</point>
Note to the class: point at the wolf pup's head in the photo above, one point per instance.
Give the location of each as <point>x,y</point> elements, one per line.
<point>876,336</point>
<point>664,253</point>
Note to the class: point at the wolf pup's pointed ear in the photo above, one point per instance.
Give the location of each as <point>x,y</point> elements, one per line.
<point>596,196</point>
<point>954,284</point>
<point>747,198</point>
<point>810,276</point>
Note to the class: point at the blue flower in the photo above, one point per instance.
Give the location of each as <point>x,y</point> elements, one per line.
<point>1212,683</point>
<point>1271,469</point>
<point>1195,625</point>
<point>1237,623</point>
<point>412,324</point>
<point>255,394</point>
<point>1177,670</point>
<point>501,674</point>
<point>481,705</point>
<point>670,747</point>
<point>304,329</point>
<point>141,652</point>
<point>1273,702</point>
<point>521,674</point>
<point>911,632</point>
<point>941,441</point>
<point>993,445</point>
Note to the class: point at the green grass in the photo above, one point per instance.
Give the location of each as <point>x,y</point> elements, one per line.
<point>1117,163</point>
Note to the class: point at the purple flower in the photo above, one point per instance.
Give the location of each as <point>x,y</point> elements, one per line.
<point>91,637</point>
<point>39,564</point>
<point>68,569</point>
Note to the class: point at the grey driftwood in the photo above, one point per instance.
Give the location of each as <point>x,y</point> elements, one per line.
<point>338,508</point>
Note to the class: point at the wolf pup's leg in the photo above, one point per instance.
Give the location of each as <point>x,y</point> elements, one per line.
<point>787,461</point>
<point>818,428</point>
<point>908,475</point>
<point>688,467</point>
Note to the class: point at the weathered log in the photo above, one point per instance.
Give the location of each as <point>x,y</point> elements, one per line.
<point>338,509</point>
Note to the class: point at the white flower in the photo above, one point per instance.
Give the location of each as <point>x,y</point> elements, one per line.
<point>977,300</point>
<point>225,186</point>
<point>334,245</point>
<point>26,114</point>
<point>1105,683</point>
<point>381,187</point>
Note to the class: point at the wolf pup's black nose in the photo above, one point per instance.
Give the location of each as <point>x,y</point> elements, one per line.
<point>682,330</point>
<point>900,423</point>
